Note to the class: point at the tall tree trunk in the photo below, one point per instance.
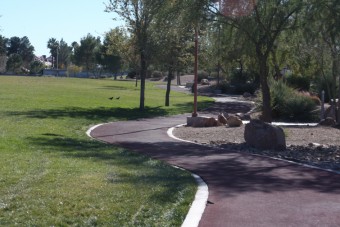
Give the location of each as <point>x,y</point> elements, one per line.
<point>278,74</point>
<point>334,77</point>
<point>178,78</point>
<point>168,87</point>
<point>142,81</point>
<point>266,104</point>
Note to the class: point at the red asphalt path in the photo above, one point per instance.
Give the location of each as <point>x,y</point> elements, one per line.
<point>244,190</point>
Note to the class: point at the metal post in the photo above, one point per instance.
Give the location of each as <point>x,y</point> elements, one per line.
<point>322,114</point>
<point>57,61</point>
<point>194,114</point>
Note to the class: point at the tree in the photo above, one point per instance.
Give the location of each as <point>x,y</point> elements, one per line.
<point>23,48</point>
<point>118,43</point>
<point>139,15</point>
<point>64,54</point>
<point>86,53</point>
<point>324,17</point>
<point>36,67</point>
<point>171,42</point>
<point>14,63</point>
<point>262,28</point>
<point>53,45</point>
<point>3,52</point>
<point>26,51</point>
<point>13,45</point>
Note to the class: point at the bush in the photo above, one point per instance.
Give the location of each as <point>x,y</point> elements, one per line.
<point>322,84</point>
<point>201,74</point>
<point>237,89</point>
<point>290,105</point>
<point>131,74</point>
<point>299,108</point>
<point>241,77</point>
<point>298,82</point>
<point>157,74</point>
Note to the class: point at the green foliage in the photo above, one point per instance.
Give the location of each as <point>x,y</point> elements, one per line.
<point>289,105</point>
<point>157,74</point>
<point>201,74</point>
<point>86,53</point>
<point>131,74</point>
<point>36,67</point>
<point>14,63</point>
<point>324,84</point>
<point>237,89</point>
<point>52,174</point>
<point>298,82</point>
<point>73,69</point>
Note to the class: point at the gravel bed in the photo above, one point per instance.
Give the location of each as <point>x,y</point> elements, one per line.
<point>318,146</point>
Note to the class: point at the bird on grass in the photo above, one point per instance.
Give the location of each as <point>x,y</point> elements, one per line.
<point>113,97</point>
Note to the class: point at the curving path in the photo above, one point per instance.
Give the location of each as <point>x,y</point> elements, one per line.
<point>244,190</point>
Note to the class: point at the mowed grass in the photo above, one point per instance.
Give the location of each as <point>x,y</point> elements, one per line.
<point>52,174</point>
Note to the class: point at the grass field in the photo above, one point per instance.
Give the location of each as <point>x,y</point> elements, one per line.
<point>51,174</point>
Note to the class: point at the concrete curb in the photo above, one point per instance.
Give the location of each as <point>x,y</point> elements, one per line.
<point>201,197</point>
<point>198,206</point>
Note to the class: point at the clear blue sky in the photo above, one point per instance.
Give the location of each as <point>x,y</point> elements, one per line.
<point>41,20</point>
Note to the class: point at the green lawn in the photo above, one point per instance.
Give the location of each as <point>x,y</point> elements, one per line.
<point>52,174</point>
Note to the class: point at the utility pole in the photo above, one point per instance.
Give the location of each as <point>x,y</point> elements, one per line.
<point>194,114</point>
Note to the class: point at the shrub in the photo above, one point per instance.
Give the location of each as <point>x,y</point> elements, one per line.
<point>131,74</point>
<point>157,74</point>
<point>237,89</point>
<point>299,108</point>
<point>201,74</point>
<point>288,104</point>
<point>298,82</point>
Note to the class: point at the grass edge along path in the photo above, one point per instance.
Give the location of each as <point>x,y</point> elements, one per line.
<point>51,173</point>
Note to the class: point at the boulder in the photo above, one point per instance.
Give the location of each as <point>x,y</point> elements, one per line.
<point>203,122</point>
<point>264,136</point>
<point>234,121</point>
<point>205,82</point>
<point>327,122</point>
<point>243,116</point>
<point>330,112</point>
<point>222,119</point>
<point>212,122</point>
<point>246,95</point>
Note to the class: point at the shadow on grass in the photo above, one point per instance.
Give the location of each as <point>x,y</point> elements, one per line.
<point>100,113</point>
<point>228,173</point>
<point>106,113</point>
<point>137,169</point>
<point>115,87</point>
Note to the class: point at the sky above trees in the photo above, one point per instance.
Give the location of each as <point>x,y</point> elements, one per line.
<point>40,20</point>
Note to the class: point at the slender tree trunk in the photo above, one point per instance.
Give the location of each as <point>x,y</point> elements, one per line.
<point>168,87</point>
<point>142,81</point>
<point>334,75</point>
<point>178,76</point>
<point>278,74</point>
<point>266,104</point>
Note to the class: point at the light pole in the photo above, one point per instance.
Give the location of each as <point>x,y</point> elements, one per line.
<point>57,61</point>
<point>194,114</point>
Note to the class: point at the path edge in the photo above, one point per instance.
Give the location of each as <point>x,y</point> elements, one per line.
<point>197,207</point>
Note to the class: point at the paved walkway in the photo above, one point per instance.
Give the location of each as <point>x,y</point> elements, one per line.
<point>244,190</point>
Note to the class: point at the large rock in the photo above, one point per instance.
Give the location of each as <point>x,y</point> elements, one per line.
<point>264,136</point>
<point>243,116</point>
<point>234,121</point>
<point>222,119</point>
<point>328,122</point>
<point>203,122</point>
